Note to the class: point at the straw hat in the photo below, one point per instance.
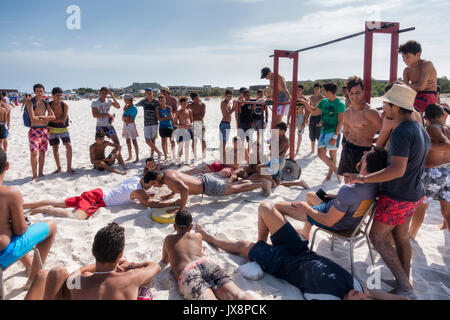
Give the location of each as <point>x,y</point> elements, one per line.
<point>165,89</point>
<point>401,95</point>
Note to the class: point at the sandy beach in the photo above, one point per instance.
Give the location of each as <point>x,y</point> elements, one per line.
<point>233,217</point>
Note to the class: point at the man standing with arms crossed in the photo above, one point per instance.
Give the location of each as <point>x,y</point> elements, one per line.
<point>40,114</point>
<point>151,126</point>
<point>100,110</point>
<point>401,189</point>
<point>360,126</point>
<point>198,109</point>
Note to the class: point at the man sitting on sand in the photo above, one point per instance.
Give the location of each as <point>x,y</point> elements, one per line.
<point>437,169</point>
<point>110,278</point>
<point>97,154</point>
<point>289,258</point>
<point>199,278</point>
<point>89,202</point>
<point>16,237</point>
<point>205,184</point>
<point>338,213</point>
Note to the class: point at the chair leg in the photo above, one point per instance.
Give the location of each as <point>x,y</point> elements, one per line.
<point>2,288</point>
<point>313,239</point>
<point>332,242</point>
<point>369,244</point>
<point>351,256</point>
<point>38,256</point>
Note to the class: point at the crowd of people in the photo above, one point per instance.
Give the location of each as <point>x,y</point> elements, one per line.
<point>399,158</point>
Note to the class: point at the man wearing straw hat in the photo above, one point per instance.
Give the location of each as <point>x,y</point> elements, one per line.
<point>401,189</point>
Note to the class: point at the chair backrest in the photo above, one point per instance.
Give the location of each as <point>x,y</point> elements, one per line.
<point>369,212</point>
<point>362,209</point>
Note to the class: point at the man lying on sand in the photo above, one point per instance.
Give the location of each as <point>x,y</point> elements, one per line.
<point>206,184</point>
<point>89,202</point>
<point>338,213</point>
<point>110,278</point>
<point>16,237</point>
<point>199,278</point>
<point>290,259</point>
<point>97,154</point>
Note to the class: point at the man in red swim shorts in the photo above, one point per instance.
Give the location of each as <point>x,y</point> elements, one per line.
<point>401,188</point>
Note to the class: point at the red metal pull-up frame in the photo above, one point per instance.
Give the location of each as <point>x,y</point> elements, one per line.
<point>391,28</point>
<point>293,105</point>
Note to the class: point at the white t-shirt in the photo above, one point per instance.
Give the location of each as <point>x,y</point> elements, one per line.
<point>120,195</point>
<point>103,108</point>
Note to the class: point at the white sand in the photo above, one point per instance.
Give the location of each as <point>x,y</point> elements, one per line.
<point>228,217</point>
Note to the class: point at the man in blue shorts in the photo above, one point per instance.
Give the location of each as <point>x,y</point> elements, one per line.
<point>16,237</point>
<point>289,258</point>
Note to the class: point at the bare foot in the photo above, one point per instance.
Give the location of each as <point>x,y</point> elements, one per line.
<point>268,187</point>
<point>70,170</point>
<point>137,160</point>
<point>34,180</point>
<point>443,226</point>
<point>40,210</point>
<point>339,179</point>
<point>129,159</point>
<point>202,231</point>
<point>57,171</point>
<point>41,175</point>
<point>124,173</point>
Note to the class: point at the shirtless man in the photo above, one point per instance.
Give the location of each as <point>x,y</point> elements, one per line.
<point>199,278</point>
<point>5,119</point>
<point>225,124</point>
<point>40,114</point>
<point>284,95</point>
<point>314,118</point>
<point>58,129</point>
<point>89,202</point>
<point>437,169</point>
<point>301,120</point>
<point>110,278</point>
<point>361,123</point>
<point>419,74</point>
<point>184,121</point>
<point>16,237</point>
<point>198,109</point>
<point>97,154</point>
<point>206,184</point>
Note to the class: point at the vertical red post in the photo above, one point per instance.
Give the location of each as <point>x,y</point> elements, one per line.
<point>394,53</point>
<point>293,110</point>
<point>368,47</point>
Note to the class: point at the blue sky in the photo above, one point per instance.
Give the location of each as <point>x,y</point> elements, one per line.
<point>199,42</point>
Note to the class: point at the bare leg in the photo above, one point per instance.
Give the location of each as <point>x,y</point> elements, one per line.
<point>300,183</point>
<point>119,155</point>
<point>61,213</point>
<point>57,160</point>
<point>417,220</point>
<point>299,143</point>
<point>401,239</point>
<point>204,149</point>
<point>38,204</point>
<point>333,156</point>
<point>106,167</point>
<point>37,288</point>
<point>27,261</point>
<point>248,186</point>
<point>130,156</point>
<point>56,280</point>
<point>164,147</point>
<point>313,146</point>
<point>33,161</point>
<point>41,163</point>
<point>445,210</point>
<point>306,231</point>
<point>230,291</point>
<point>69,157</point>
<point>44,248</point>
<point>241,247</point>
<point>286,209</point>
<point>312,199</point>
<point>322,153</point>
<point>136,149</point>
<point>153,147</point>
<point>378,236</point>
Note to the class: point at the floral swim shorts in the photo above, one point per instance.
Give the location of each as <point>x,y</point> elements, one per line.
<point>436,182</point>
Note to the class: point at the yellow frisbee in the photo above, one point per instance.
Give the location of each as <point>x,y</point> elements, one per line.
<point>161,216</point>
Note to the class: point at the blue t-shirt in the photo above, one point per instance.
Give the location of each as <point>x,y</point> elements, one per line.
<point>408,140</point>
<point>131,112</point>
<point>163,113</point>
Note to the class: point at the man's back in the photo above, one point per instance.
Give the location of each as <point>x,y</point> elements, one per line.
<point>5,224</point>
<point>183,249</point>
<point>110,286</point>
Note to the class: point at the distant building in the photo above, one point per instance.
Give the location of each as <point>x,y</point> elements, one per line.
<point>184,90</point>
<point>256,88</point>
<point>10,92</point>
